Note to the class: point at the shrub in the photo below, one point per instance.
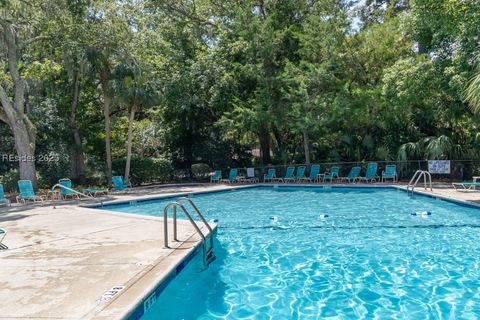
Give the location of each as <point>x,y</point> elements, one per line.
<point>145,169</point>
<point>9,180</point>
<point>201,170</point>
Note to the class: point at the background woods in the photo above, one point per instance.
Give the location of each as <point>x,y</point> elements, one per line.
<point>93,88</point>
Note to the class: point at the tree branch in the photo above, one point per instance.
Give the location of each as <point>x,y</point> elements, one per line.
<point>5,105</point>
<point>25,43</point>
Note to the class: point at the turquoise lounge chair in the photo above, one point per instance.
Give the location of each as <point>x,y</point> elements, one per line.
<point>288,175</point>
<point>270,176</point>
<point>300,173</point>
<point>352,175</point>
<point>390,172</point>
<point>95,192</point>
<point>3,233</point>
<point>314,172</point>
<point>465,186</point>
<point>119,184</point>
<point>216,176</point>
<point>371,174</point>
<point>25,189</point>
<point>2,196</point>
<point>332,174</point>
<point>232,176</point>
<point>64,193</point>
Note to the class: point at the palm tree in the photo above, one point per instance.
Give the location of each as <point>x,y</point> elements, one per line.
<point>136,89</point>
<point>472,92</point>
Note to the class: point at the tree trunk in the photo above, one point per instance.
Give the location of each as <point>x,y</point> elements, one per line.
<point>13,111</point>
<point>264,139</point>
<point>129,143</point>
<point>24,135</point>
<point>282,151</point>
<point>306,146</point>
<point>104,78</point>
<point>77,160</point>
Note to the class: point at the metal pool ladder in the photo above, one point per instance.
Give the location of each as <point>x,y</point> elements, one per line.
<point>208,255</point>
<point>416,178</point>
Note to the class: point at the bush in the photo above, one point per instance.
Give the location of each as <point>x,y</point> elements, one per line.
<point>9,180</point>
<point>201,170</point>
<point>144,169</point>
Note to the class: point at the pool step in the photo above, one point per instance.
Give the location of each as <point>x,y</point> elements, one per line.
<point>210,256</point>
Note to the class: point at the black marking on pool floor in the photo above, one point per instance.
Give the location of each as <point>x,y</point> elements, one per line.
<point>282,228</point>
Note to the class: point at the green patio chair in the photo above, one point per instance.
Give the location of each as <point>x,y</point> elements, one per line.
<point>25,190</point>
<point>390,172</point>
<point>119,184</point>
<point>371,174</point>
<point>352,175</point>
<point>300,173</point>
<point>289,175</point>
<point>332,174</point>
<point>2,196</point>
<point>270,176</point>
<point>216,176</point>
<point>64,193</point>
<point>314,173</point>
<point>232,176</point>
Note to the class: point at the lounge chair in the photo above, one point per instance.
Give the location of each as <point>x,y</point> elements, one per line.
<point>232,176</point>
<point>465,186</point>
<point>390,172</point>
<point>352,175</point>
<point>95,192</point>
<point>216,176</point>
<point>64,193</point>
<point>3,233</point>
<point>300,173</point>
<point>250,178</point>
<point>314,173</point>
<point>270,176</point>
<point>331,174</point>
<point>288,175</point>
<point>25,189</point>
<point>119,184</point>
<point>371,174</point>
<point>2,196</point>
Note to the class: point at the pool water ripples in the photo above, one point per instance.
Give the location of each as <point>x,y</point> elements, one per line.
<point>369,259</point>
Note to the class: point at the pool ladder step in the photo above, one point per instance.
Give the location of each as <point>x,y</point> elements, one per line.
<point>208,254</point>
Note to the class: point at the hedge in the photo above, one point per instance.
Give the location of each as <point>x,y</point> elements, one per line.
<point>145,169</point>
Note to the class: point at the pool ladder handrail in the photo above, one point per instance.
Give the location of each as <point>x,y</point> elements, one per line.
<point>416,178</point>
<point>208,255</point>
<point>76,192</point>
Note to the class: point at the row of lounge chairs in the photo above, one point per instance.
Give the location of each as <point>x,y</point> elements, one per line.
<point>314,175</point>
<point>27,193</point>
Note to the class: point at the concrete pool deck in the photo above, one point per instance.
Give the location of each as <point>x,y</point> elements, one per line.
<point>61,261</point>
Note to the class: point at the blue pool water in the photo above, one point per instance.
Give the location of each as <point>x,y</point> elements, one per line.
<point>370,258</point>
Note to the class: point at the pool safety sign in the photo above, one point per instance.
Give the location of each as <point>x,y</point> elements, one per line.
<point>439,166</point>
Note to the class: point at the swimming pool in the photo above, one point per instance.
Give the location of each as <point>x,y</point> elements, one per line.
<point>370,258</point>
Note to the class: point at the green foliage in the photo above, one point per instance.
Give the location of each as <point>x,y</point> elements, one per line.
<point>9,180</point>
<point>201,170</point>
<point>212,82</point>
<point>145,169</point>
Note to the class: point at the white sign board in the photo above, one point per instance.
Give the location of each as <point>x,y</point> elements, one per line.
<point>439,166</point>
<point>250,173</point>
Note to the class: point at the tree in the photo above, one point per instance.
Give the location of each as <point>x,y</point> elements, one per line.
<point>17,34</point>
<point>136,89</point>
